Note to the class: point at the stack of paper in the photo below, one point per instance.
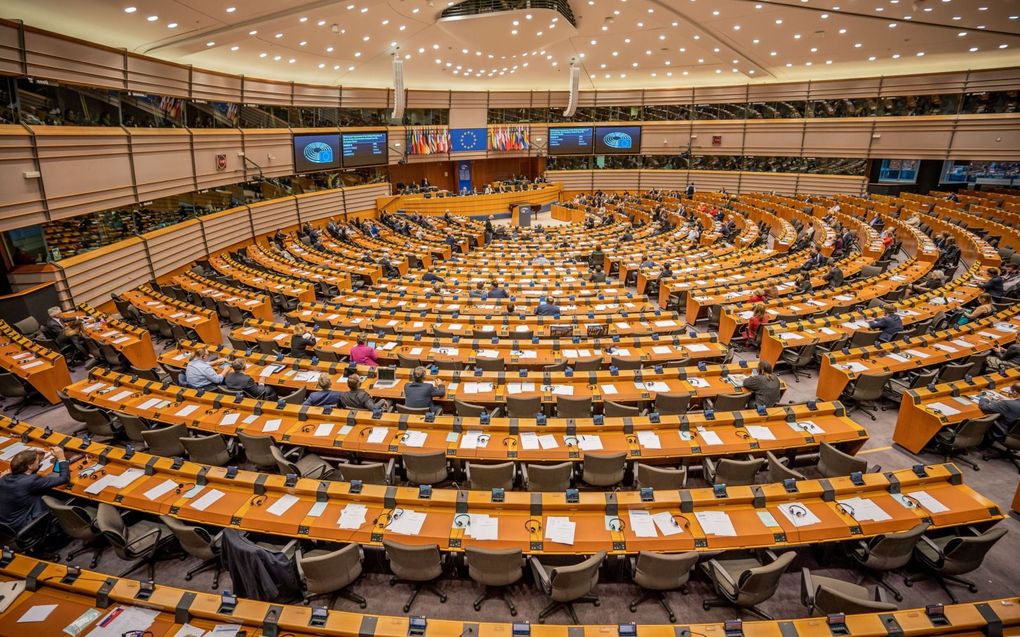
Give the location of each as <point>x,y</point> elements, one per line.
<point>519,388</point>
<point>352,516</point>
<point>207,500</point>
<point>798,514</point>
<point>649,440</point>
<point>863,509</point>
<point>378,435</point>
<point>927,501</point>
<point>589,443</point>
<point>482,527</point>
<point>560,530</point>
<point>414,438</point>
<point>716,523</point>
<point>641,524</point>
<point>760,433</point>
<point>710,437</point>
<point>474,440</point>
<point>476,388</point>
<point>407,523</point>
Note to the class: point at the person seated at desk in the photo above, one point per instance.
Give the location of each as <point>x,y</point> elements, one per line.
<point>540,260</point>
<point>22,489</point>
<point>325,396</point>
<point>1008,410</point>
<point>546,307</point>
<point>666,272</point>
<point>1000,357</point>
<point>804,284</point>
<point>496,291</point>
<point>758,318</point>
<point>237,381</point>
<point>363,353</point>
<point>199,374</point>
<point>477,292</point>
<point>357,398</point>
<point>816,260</point>
<point>764,386</point>
<point>597,275</point>
<point>597,257</point>
<point>64,333</point>
<point>995,284</point>
<point>984,308</point>
<point>646,262</point>
<point>302,345</point>
<point>758,296</point>
<point>418,393</point>
<point>834,276</point>
<point>430,277</point>
<point>891,324</point>
<point>934,280</point>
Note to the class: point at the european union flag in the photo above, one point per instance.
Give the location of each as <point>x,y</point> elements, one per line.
<point>464,139</point>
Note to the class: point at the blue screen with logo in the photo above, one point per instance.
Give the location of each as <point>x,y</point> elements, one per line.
<point>365,149</point>
<point>316,152</point>
<point>617,140</point>
<point>570,140</point>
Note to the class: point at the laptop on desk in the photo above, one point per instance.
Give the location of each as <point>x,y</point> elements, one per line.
<point>387,378</point>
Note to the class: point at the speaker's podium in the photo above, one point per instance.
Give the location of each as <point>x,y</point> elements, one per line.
<point>521,213</point>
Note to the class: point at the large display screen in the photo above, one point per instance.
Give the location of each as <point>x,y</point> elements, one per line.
<point>365,149</point>
<point>316,152</point>
<point>570,140</point>
<point>898,171</point>
<point>617,140</point>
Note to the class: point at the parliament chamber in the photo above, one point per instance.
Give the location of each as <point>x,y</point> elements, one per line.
<point>532,317</point>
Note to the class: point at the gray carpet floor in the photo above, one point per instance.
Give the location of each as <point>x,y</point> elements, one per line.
<point>997,577</point>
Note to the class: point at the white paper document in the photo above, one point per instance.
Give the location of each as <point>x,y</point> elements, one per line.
<point>667,524</point>
<point>943,409</point>
<point>716,523</point>
<point>207,500</point>
<point>808,426</point>
<point>798,514</point>
<point>413,438</point>
<point>927,501</point>
<point>283,505</point>
<point>407,523</point>
<point>641,524</point>
<point>352,516</point>
<point>519,388</point>
<point>160,490</point>
<point>560,530</point>
<point>710,437</point>
<point>124,619</point>
<point>529,441</point>
<point>649,440</point>
<point>37,613</point>
<point>864,509</point>
<point>760,433</point>
<point>589,443</point>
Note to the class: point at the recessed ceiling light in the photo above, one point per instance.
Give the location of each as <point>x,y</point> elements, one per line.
<point>961,34</point>
<point>736,27</point>
<point>357,54</point>
<point>973,49</point>
<point>320,23</point>
<point>796,36</point>
<point>527,17</point>
<point>824,16</point>
<point>350,68</point>
<point>779,21</point>
<point>262,55</point>
<point>277,57</point>
<point>278,35</point>
<point>871,58</point>
<point>828,61</point>
<point>715,12</point>
<point>755,41</point>
<point>329,49</point>
<point>892,25</point>
<point>513,32</point>
<point>814,49</point>
<point>234,48</point>
<point>364,9</point>
<point>697,37</point>
<point>252,32</point>
<point>842,31</point>
<point>172,25</point>
<point>322,65</point>
<point>152,18</point>
<point>773,53</point>
<point>920,54</point>
<point>896,56</point>
<point>858,45</point>
<point>366,38</point>
<point>302,42</point>
<point>1003,46</point>
<point>233,9</point>
<point>336,67</point>
<point>130,9</point>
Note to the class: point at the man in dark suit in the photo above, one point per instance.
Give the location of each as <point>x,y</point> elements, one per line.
<point>22,489</point>
<point>325,396</point>
<point>357,398</point>
<point>891,324</point>
<point>55,329</point>
<point>547,308</point>
<point>418,393</point>
<point>237,381</point>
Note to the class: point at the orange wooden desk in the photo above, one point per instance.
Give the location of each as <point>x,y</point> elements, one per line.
<point>269,283</point>
<point>204,322</point>
<point>39,366</point>
<point>133,342</point>
<point>257,305</point>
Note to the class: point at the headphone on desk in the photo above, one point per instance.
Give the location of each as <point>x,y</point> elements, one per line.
<point>533,526</point>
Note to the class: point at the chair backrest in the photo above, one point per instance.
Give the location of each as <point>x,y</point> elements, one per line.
<point>604,469</point>
<point>296,397</point>
<point>592,364</point>
<point>832,462</point>
<point>426,467</point>
<point>112,526</point>
<point>954,371</point>
<point>870,386</point>
<point>660,477</point>
<point>28,326</point>
<point>555,367</point>
<point>491,364</point>
<point>494,567</point>
<point>166,441</point>
<point>284,464</point>
<point>75,521</point>
<point>864,338</point>
<point>779,471</point>
<point>965,553</point>
<point>549,477</point>
<point>211,449</point>
<point>925,377</point>
<point>367,472</point>
<point>257,449</point>
<point>893,550</point>
<point>737,472</point>
<point>195,540</point>
<point>570,407</point>
<point>467,409</point>
<point>663,571</point>
<point>415,563</point>
<point>626,362</point>
<point>333,571</point>
<point>146,374</point>
<point>731,402</point>
<point>672,403</point>
<point>972,432</point>
<point>805,355</point>
<point>486,477</point>
<point>133,426</point>
<point>755,585</point>
<point>407,361</point>
<point>829,600</point>
<point>404,409</point>
<point>616,410</point>
<point>523,406</point>
<point>576,581</point>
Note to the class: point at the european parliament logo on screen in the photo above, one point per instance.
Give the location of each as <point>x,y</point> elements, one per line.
<point>618,140</point>
<point>468,139</point>
<point>319,153</point>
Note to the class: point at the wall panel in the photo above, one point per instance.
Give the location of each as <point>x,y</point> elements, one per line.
<point>314,206</point>
<point>715,179</point>
<point>428,99</point>
<point>844,89</point>
<point>923,84</point>
<point>837,138</point>
<point>358,198</point>
<point>270,148</point>
<point>266,92</point>
<point>21,203</point>
<point>911,138</point>
<point>991,137</point>
<point>615,179</point>
<point>215,87</point>
<point>731,132</point>
<point>10,49</point>
<point>156,77</point>
<point>93,276</point>
<point>781,183</point>
<point>669,96</point>
<point>365,98</point>
<point>510,99</point>
<point>663,179</point>
<point>774,137</point>
<point>571,179</point>
<point>468,99</point>
<point>619,98</point>
<point>162,161</point>
<point>792,92</point>
<point>319,96</point>
<point>267,216</point>
<point>832,184</point>
<point>73,61</point>
<point>226,228</point>
<point>84,169</point>
<point>210,142</point>
<point>994,80</point>
<point>176,246</point>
